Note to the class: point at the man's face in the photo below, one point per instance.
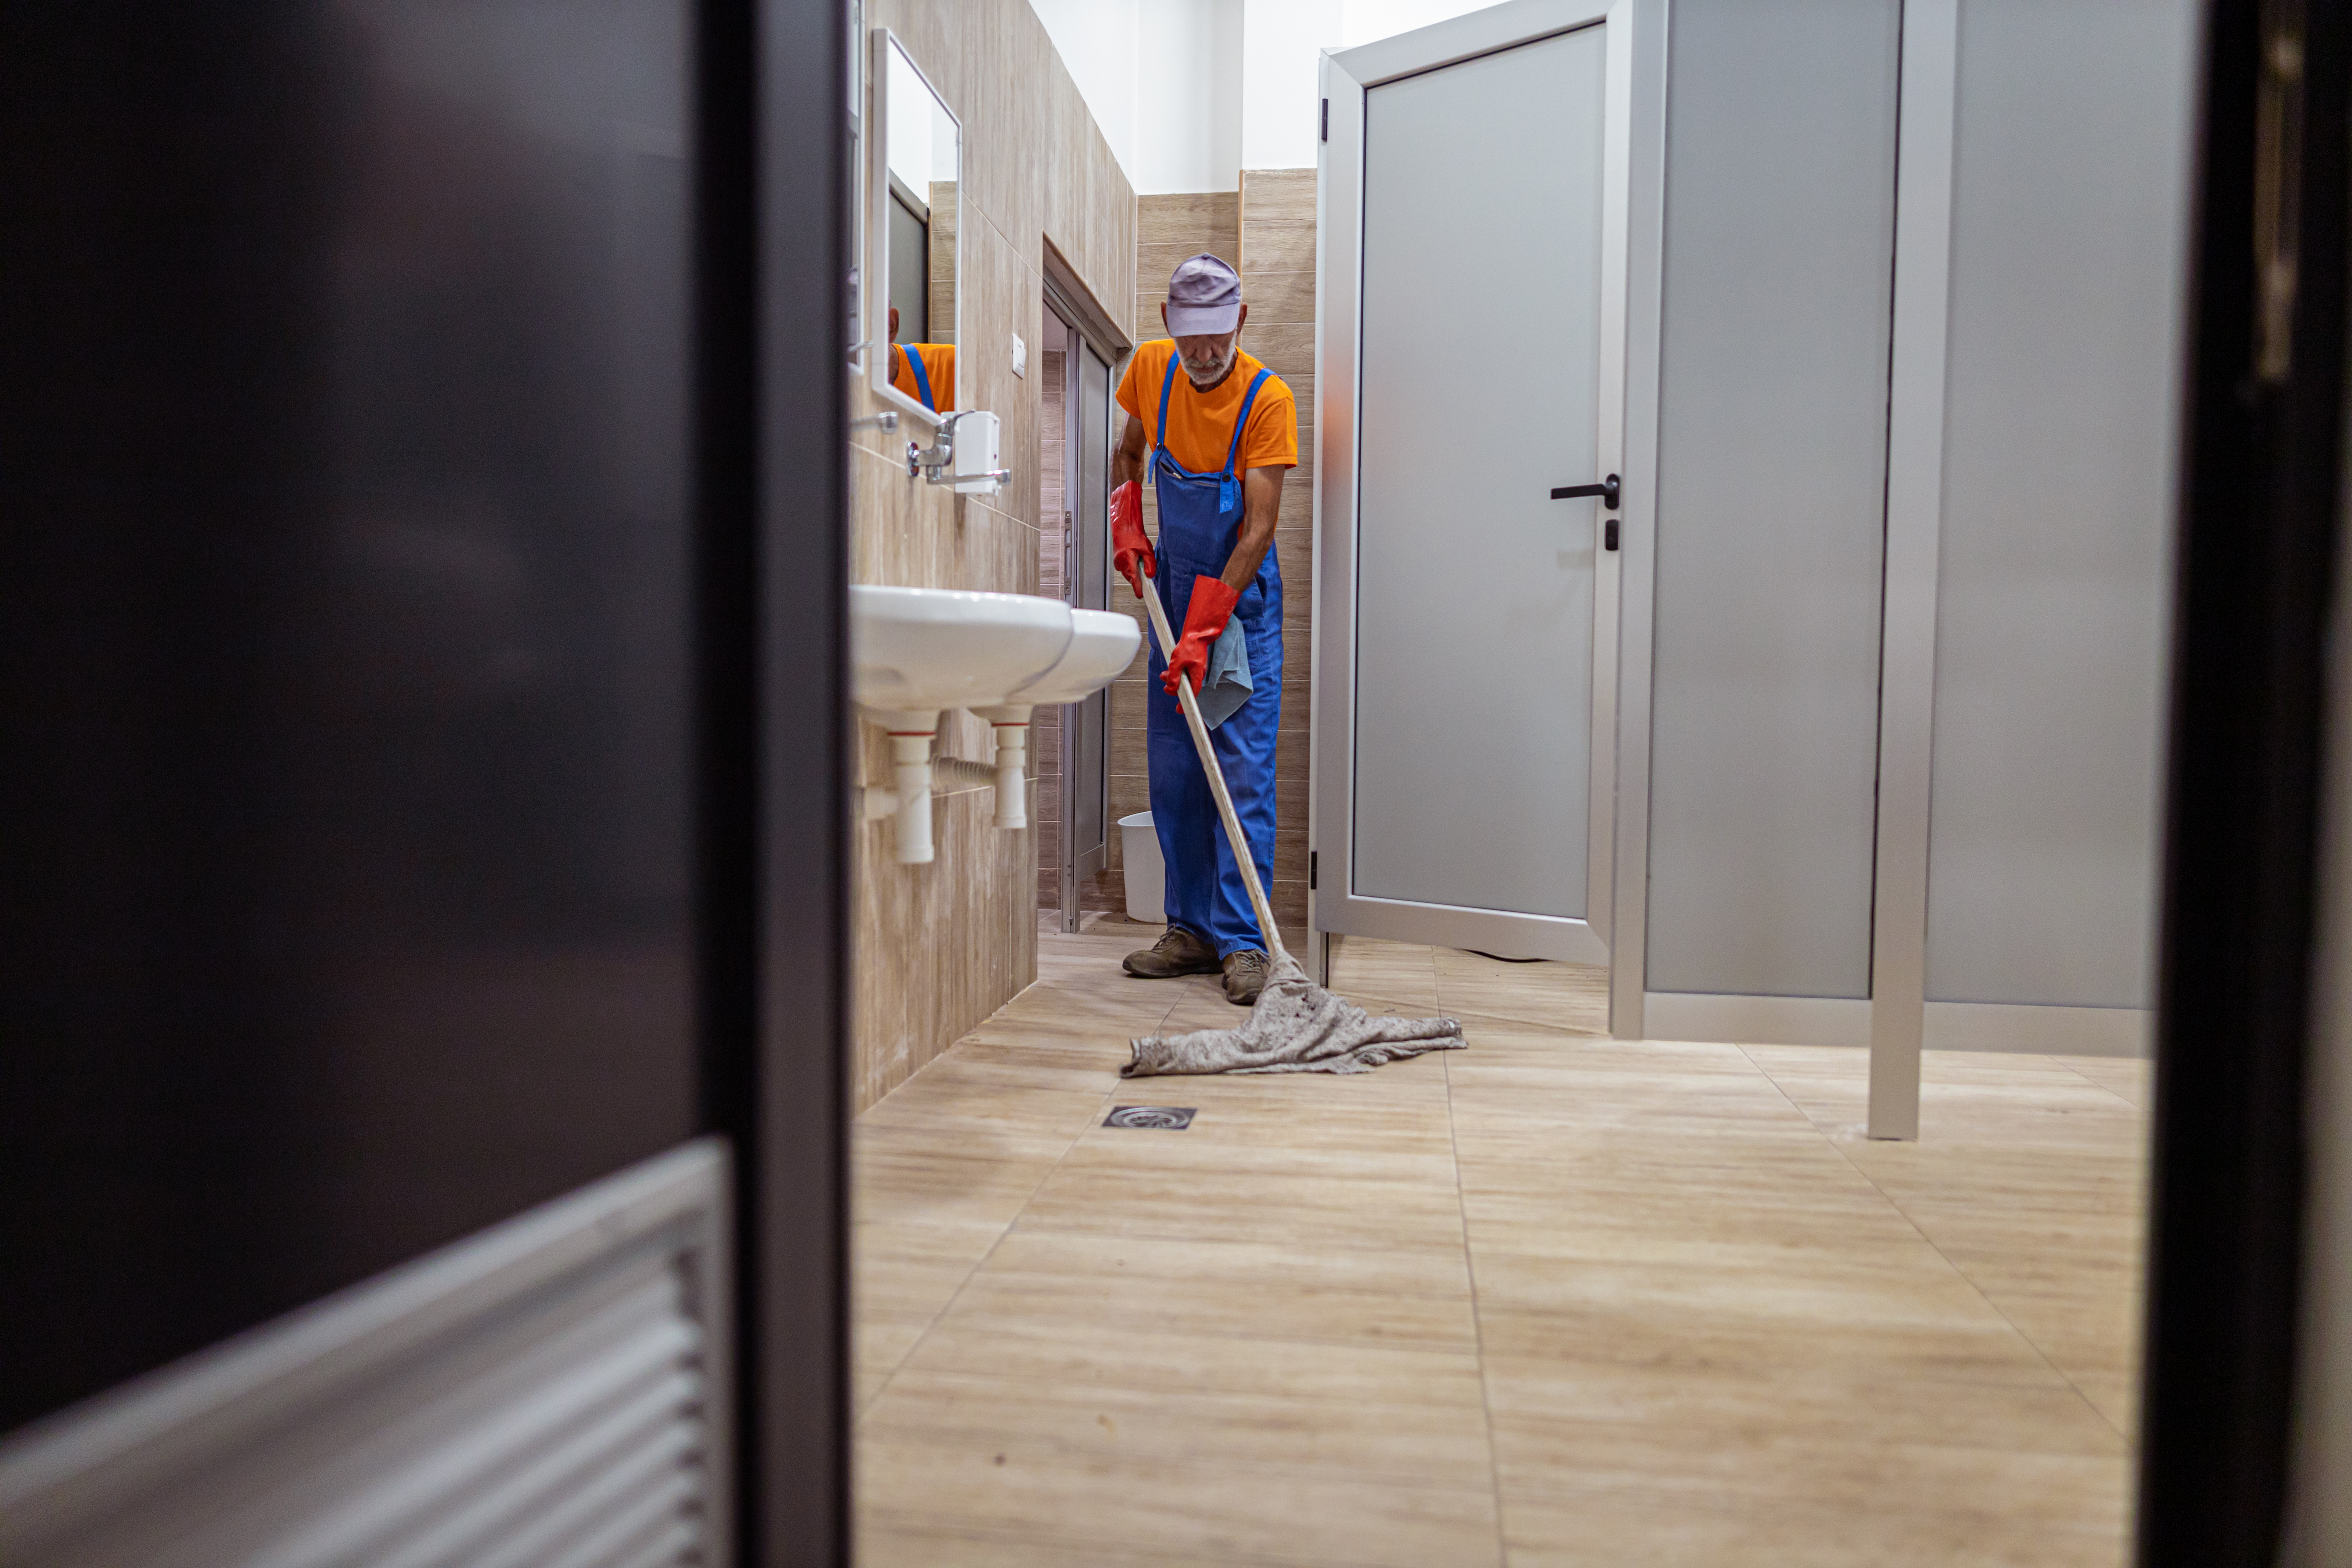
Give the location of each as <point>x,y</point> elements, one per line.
<point>1207,357</point>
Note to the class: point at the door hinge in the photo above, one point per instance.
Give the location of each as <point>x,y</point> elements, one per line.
<point>1311,871</point>
<point>1327,120</point>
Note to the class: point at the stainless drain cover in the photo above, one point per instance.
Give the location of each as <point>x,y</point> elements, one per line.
<point>1170,1118</point>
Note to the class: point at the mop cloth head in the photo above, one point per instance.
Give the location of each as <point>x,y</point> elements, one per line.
<point>1296,1027</point>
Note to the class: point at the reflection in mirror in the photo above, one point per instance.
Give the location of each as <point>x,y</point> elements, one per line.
<point>916,228</point>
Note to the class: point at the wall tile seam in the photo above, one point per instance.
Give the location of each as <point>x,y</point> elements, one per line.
<point>980,504</point>
<point>1036,266</point>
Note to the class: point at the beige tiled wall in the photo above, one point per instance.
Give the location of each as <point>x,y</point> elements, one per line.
<point>940,947</point>
<point>1267,231</point>
<point>1277,266</point>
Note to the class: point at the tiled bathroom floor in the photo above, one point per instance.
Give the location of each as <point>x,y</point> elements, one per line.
<point>1553,1299</point>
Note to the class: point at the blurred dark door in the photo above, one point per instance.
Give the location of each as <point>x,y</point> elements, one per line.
<point>382,593</point>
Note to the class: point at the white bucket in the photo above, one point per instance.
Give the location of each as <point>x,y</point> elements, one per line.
<point>1146,879</point>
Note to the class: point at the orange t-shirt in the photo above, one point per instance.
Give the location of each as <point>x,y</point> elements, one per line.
<point>1200,424</point>
<point>939,363</point>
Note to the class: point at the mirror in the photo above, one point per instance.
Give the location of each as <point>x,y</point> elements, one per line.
<point>914,167</point>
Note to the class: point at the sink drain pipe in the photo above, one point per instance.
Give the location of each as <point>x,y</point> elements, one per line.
<point>921,775</point>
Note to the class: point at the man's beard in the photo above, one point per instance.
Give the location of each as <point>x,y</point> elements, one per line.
<point>1203,372</point>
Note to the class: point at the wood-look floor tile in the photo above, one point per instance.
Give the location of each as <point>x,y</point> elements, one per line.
<point>1387,1138</point>
<point>901,1184</point>
<point>1713,1233</point>
<point>1515,1045</point>
<point>1711,1324</point>
<point>1090,1193</point>
<point>1569,996</point>
<point>913,1270</point>
<point>1829,1474</point>
<point>980,1116</point>
<point>1965,1095</point>
<point>1752,1402</point>
<point>1807,1312</point>
<point>887,1543</point>
<point>1140,1356</point>
<point>1365,966</point>
<point>1415,1156</point>
<point>1248,1268</point>
<point>1379,1297</point>
<point>2131,1079</point>
<point>878,1344</point>
<point>1601,1530</point>
<point>1445,1444</point>
<point>1210,1508</point>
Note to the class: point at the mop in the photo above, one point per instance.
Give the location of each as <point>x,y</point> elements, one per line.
<point>1296,1026</point>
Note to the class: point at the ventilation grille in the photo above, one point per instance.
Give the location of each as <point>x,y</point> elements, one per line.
<point>559,1414</point>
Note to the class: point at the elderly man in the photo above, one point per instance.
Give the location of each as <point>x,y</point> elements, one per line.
<point>1214,430</point>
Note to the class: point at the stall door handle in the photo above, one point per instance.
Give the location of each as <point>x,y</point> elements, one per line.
<point>1606,490</point>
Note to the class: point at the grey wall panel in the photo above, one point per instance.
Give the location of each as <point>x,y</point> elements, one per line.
<point>2062,374</point>
<point>1778,244</point>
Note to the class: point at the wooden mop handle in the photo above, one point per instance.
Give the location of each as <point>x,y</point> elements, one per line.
<point>1192,706</point>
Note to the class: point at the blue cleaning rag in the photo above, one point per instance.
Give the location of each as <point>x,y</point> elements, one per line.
<point>1227,685</point>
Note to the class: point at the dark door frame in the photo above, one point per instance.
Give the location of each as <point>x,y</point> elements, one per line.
<point>2258,538</point>
<point>773,581</point>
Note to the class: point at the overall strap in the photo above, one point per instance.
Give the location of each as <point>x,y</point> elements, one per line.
<point>1241,421</point>
<point>1167,382</point>
<point>922,381</point>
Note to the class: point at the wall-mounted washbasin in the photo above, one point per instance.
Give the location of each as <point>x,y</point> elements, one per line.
<point>915,651</point>
<point>918,650</point>
<point>1102,644</point>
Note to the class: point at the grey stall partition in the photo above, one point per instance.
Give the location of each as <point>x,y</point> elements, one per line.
<point>1779,213</point>
<point>2069,207</point>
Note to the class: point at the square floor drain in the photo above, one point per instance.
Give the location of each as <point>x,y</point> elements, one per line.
<point>1168,1117</point>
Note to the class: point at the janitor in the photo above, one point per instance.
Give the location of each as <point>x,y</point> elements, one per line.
<point>1214,430</point>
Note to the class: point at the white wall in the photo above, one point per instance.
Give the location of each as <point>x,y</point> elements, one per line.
<point>1191,93</point>
<point>1163,79</point>
<point>1096,41</point>
<point>1188,97</point>
<point>1281,109</point>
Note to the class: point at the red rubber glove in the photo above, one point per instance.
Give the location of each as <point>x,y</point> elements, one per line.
<point>1204,622</point>
<point>1128,547</point>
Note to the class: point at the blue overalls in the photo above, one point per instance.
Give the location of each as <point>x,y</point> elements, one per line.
<point>1199,523</point>
<point>922,379</point>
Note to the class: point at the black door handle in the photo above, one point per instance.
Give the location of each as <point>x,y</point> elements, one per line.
<point>1606,490</point>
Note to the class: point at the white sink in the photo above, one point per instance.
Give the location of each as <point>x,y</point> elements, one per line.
<point>918,650</point>
<point>1102,644</point>
<point>914,651</point>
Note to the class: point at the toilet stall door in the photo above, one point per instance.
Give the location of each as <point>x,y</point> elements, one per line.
<point>1474,192</point>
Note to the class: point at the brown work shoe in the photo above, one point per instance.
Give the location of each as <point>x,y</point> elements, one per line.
<point>1246,974</point>
<point>1178,952</point>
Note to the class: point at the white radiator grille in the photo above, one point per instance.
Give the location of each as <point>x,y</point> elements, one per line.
<point>551,1394</point>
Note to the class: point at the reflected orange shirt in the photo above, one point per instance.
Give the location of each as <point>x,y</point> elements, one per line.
<point>939,363</point>
<point>1200,424</point>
